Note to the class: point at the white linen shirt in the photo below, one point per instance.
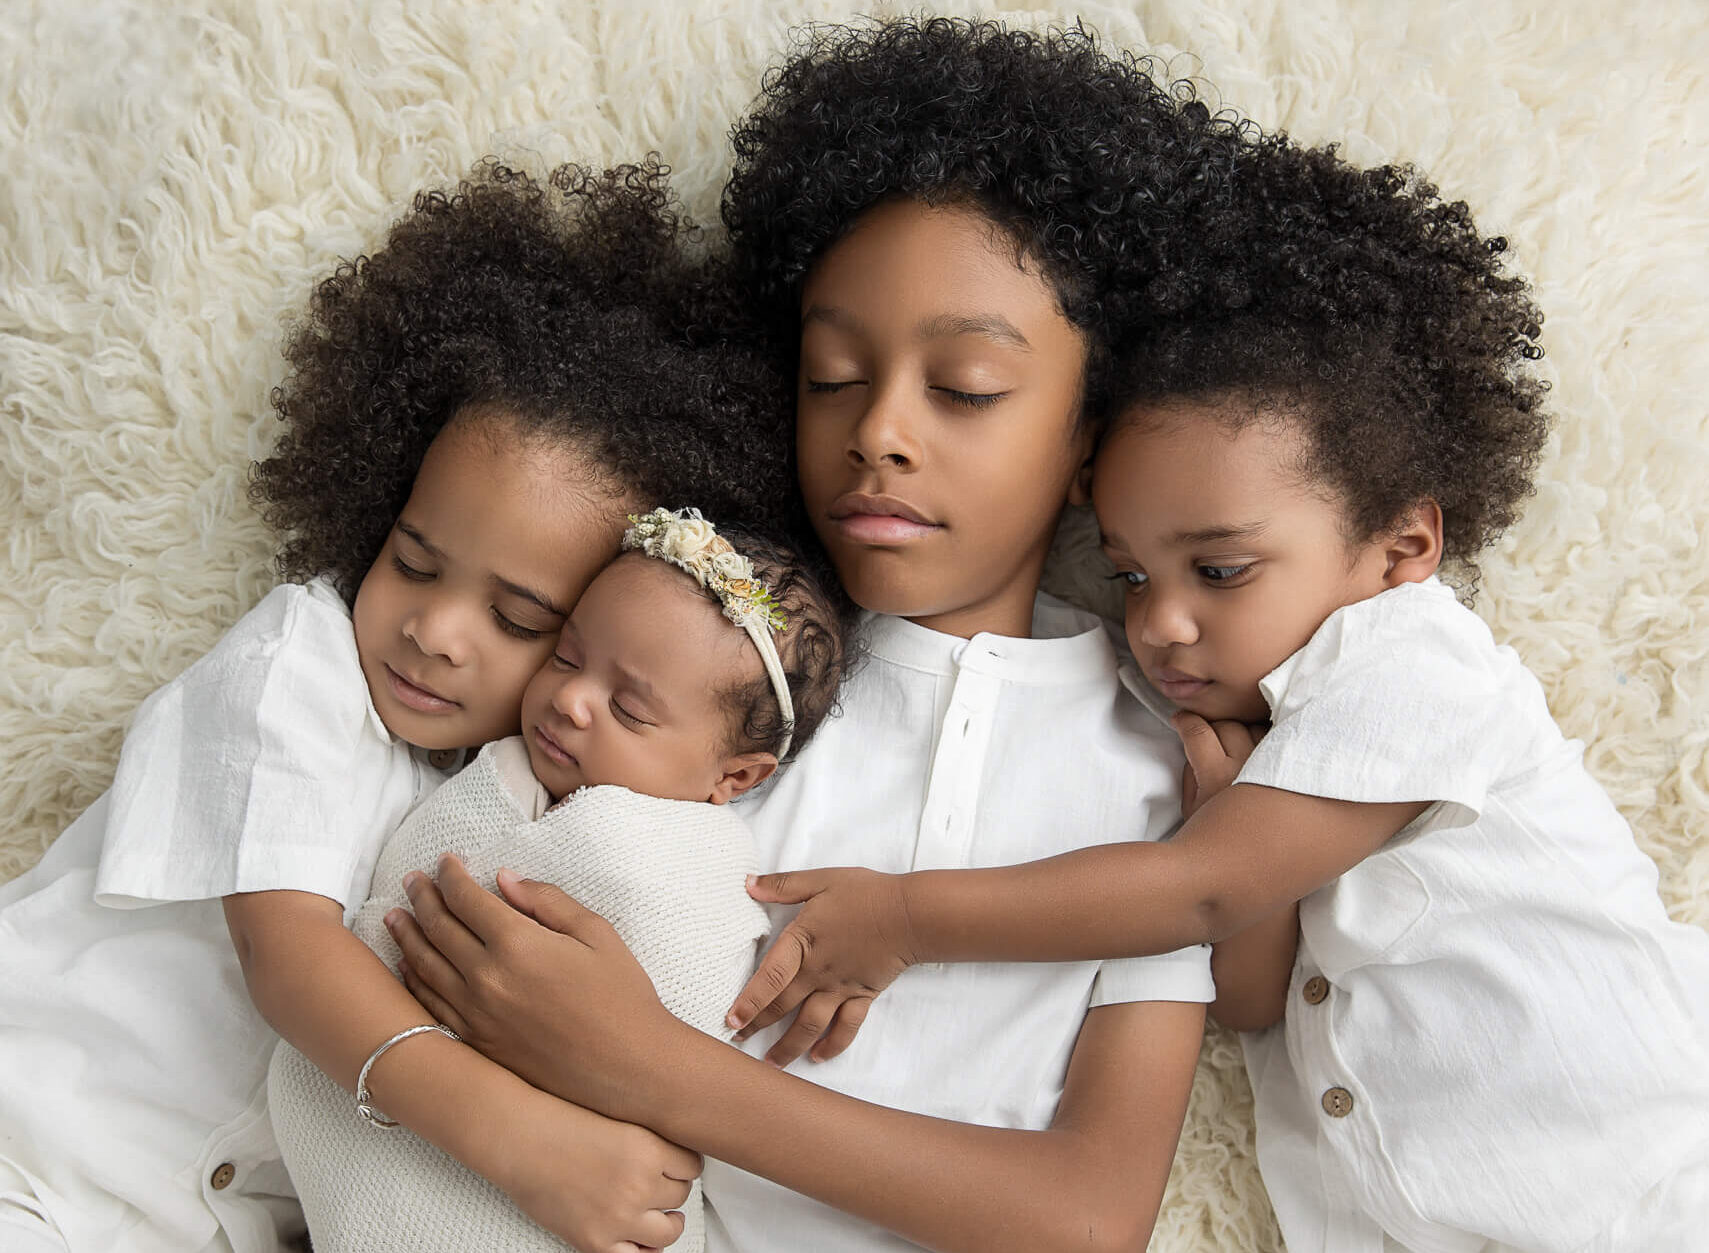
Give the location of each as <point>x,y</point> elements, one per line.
<point>132,1064</point>
<point>1494,1032</point>
<point>962,753</point>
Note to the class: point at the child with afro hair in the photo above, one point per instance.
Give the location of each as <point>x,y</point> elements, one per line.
<point>470,412</point>
<point>1491,1034</point>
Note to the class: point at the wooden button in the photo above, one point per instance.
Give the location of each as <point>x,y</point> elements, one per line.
<point>1316,988</point>
<point>441,758</point>
<point>1338,1102</point>
<point>223,1174</point>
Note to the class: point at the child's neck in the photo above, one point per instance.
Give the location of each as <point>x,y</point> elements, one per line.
<point>1010,613</point>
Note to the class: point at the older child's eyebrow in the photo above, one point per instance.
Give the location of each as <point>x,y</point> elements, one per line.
<point>992,326</point>
<point>527,593</point>
<point>432,549</point>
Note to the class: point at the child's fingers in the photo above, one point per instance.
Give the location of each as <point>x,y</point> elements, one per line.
<point>419,953</point>
<point>788,887</point>
<point>777,969</point>
<point>551,907</point>
<point>844,1027</point>
<point>810,1023</point>
<point>683,1165</point>
<point>1199,739</point>
<point>1236,738</point>
<point>442,928</point>
<point>432,1002</point>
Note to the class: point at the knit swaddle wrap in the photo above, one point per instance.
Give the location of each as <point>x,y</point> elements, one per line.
<point>668,875</point>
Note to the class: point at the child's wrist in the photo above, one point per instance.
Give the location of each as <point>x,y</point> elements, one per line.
<point>917,903</point>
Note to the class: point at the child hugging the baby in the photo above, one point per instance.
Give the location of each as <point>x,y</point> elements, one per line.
<point>666,691</point>
<point>471,410</point>
<point>1492,1036</point>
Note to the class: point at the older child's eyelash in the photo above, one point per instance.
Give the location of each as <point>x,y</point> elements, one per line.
<point>823,387</point>
<point>973,400</point>
<point>408,571</point>
<point>514,628</point>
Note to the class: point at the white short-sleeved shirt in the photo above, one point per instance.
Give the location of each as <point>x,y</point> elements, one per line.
<point>1494,1032</point>
<point>963,753</point>
<point>132,1064</point>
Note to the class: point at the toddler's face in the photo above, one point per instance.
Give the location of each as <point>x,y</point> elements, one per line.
<point>936,431</point>
<point>465,600</point>
<point>1231,558</point>
<point>631,695</point>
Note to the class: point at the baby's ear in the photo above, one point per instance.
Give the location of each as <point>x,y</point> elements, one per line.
<point>741,773</point>
<point>1414,550</point>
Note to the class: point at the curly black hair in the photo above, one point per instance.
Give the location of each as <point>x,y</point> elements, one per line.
<point>1360,304</point>
<point>576,305</point>
<point>816,648</point>
<point>1090,165</point>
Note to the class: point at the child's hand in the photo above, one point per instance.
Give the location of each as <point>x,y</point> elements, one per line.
<point>1215,753</point>
<point>601,1186</point>
<point>850,940</point>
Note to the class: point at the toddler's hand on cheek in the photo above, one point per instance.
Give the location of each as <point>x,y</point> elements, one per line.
<point>1215,753</point>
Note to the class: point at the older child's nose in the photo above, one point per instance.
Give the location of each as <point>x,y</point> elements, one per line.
<point>884,435</point>
<point>438,628</point>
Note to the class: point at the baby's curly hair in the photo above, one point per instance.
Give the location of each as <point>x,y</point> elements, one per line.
<point>576,307</point>
<point>1090,166</point>
<point>1361,305</point>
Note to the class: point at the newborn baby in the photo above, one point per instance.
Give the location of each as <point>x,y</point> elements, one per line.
<point>652,712</point>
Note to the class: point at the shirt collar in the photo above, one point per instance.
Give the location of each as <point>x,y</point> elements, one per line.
<point>1068,645</point>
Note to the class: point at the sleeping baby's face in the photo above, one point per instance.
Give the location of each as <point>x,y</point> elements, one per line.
<point>634,694</point>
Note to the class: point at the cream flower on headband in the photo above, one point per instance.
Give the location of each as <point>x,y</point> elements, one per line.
<point>691,543</point>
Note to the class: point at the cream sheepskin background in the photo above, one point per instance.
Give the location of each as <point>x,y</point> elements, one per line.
<point>177,176</point>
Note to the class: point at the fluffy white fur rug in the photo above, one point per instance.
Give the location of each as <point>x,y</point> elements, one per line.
<point>175,177</point>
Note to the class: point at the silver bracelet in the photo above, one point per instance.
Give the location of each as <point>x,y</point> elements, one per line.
<point>365,1099</point>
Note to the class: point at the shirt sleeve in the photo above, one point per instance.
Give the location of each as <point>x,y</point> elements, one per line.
<point>1184,975</point>
<point>1404,697</point>
<point>254,770</point>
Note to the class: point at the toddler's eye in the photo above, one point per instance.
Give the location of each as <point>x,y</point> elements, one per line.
<point>1135,579</point>
<point>408,571</point>
<point>973,400</point>
<point>1222,574</point>
<point>514,628</point>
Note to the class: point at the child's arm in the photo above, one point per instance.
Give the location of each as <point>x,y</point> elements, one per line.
<point>521,988</point>
<point>592,1181</point>
<point>1246,854</point>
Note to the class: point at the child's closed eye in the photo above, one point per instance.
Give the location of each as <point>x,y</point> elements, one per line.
<point>410,572</point>
<point>514,628</point>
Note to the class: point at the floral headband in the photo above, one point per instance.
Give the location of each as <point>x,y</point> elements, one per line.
<point>690,543</point>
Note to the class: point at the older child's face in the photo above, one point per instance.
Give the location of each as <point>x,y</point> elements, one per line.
<point>937,425</point>
<point>465,600</point>
<point>1231,560</point>
<point>631,695</point>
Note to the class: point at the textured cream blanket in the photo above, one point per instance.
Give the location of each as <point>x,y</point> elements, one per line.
<point>668,875</point>
<point>176,175</point>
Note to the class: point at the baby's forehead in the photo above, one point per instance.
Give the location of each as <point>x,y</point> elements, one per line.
<point>653,615</point>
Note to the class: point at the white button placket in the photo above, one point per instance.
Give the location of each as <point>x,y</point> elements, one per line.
<point>947,820</point>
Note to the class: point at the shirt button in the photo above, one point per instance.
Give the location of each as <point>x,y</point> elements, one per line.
<point>1316,988</point>
<point>1338,1102</point>
<point>223,1174</point>
<point>441,758</point>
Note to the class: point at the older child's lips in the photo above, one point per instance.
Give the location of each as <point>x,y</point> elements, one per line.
<point>878,519</point>
<point>421,699</point>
